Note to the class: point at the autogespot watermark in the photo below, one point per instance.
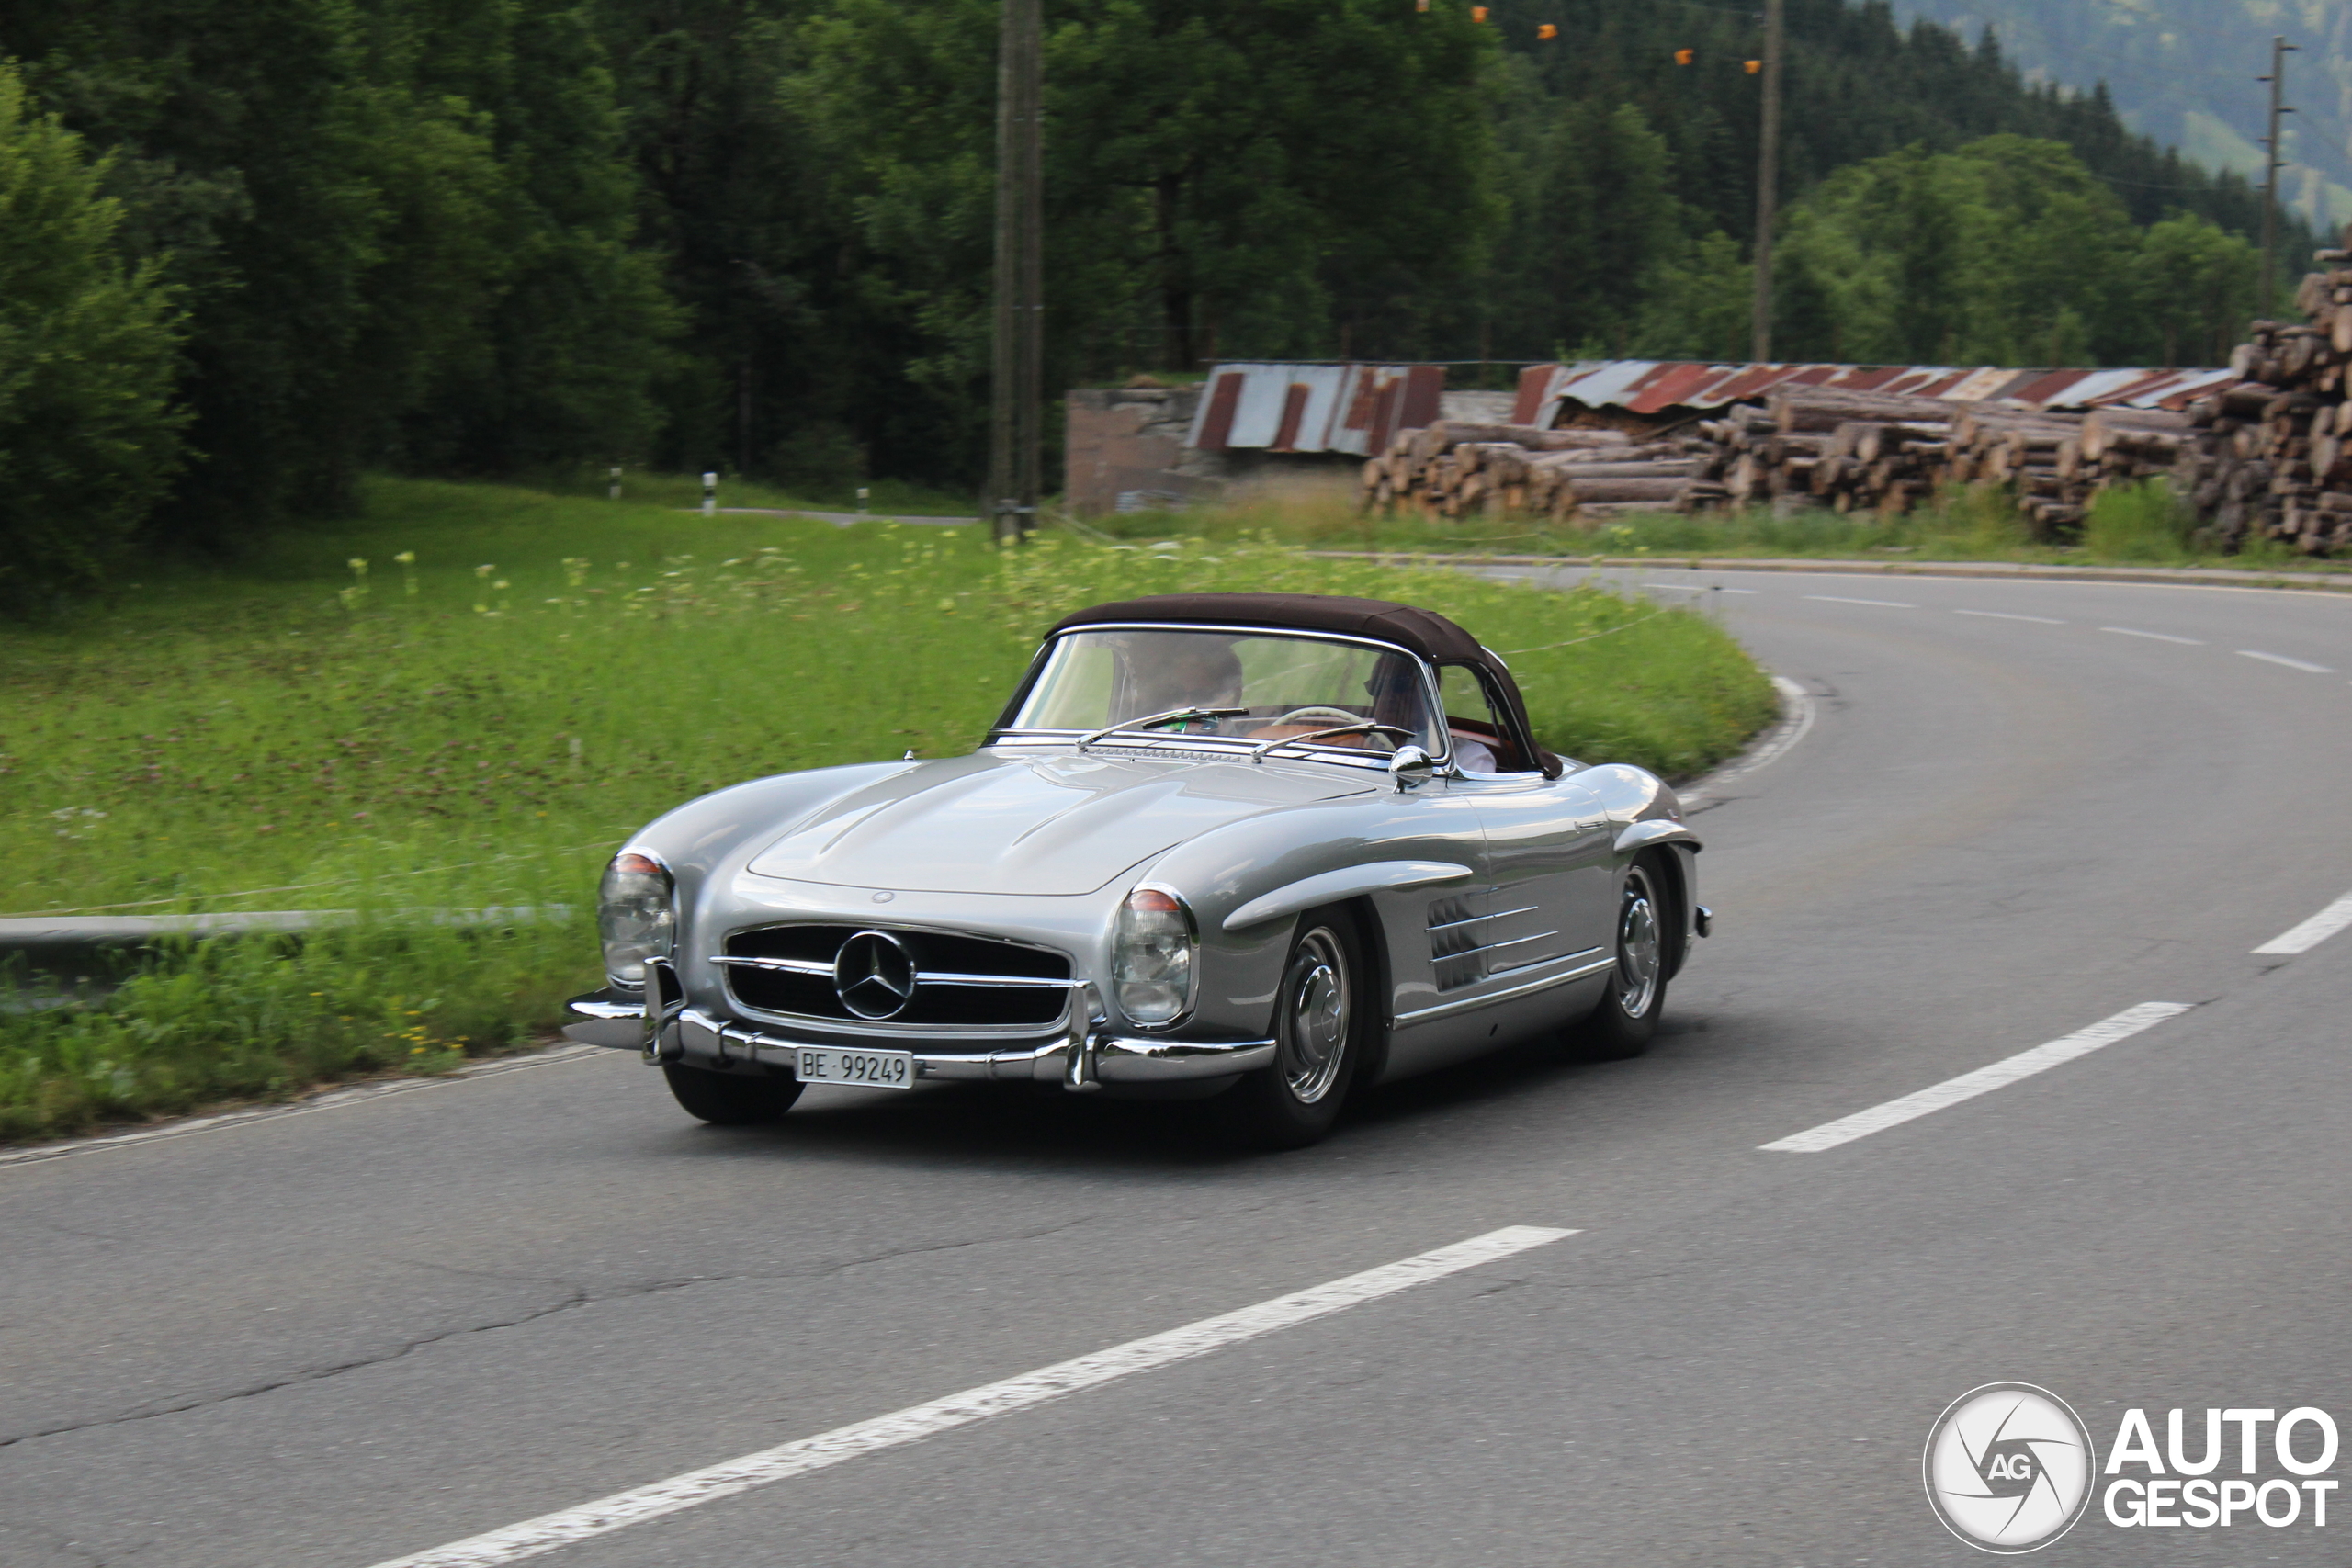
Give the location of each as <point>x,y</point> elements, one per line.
<point>2009,1467</point>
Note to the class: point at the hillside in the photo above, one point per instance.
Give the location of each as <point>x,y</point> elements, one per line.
<point>2183,71</point>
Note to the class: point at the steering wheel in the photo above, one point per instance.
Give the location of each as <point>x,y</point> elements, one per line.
<point>1318,716</point>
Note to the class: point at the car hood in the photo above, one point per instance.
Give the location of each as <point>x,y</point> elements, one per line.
<point>1058,823</point>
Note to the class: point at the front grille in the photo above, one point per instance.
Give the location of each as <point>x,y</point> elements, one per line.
<point>936,1003</point>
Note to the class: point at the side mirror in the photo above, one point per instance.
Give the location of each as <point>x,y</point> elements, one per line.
<point>1412,766</point>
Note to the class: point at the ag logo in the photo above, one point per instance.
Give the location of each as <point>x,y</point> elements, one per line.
<point>2009,1468</point>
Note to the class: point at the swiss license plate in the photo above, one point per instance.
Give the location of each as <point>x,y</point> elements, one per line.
<point>855,1069</point>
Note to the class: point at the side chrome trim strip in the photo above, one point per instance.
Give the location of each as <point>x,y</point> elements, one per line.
<point>1467,1003</point>
<point>1474,920</point>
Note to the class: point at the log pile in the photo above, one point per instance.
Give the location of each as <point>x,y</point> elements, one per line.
<point>2270,458</point>
<point>2266,458</point>
<point>1850,450</point>
<point>1863,451</point>
<point>1458,469</point>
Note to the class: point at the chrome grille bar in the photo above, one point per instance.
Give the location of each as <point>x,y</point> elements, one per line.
<point>923,976</point>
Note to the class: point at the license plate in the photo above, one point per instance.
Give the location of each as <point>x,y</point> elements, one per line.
<point>855,1069</point>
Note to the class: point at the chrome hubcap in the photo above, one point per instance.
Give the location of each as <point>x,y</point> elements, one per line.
<point>1640,952</point>
<point>1315,1014</point>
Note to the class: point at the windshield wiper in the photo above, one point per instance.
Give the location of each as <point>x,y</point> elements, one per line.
<point>1171,716</point>
<point>1257,753</point>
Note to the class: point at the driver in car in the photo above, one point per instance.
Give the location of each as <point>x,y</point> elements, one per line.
<point>1183,671</point>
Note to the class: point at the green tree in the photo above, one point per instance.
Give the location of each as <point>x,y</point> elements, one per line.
<point>1223,177</point>
<point>1593,219</point>
<point>2194,288</point>
<point>88,351</point>
<point>2005,252</point>
<point>563,352</point>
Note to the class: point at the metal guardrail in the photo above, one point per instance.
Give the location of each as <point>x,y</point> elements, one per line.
<point>40,936</point>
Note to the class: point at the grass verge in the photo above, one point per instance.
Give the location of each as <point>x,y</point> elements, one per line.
<point>2137,524</point>
<point>465,699</point>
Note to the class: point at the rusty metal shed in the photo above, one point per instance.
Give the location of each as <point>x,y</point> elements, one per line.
<point>1664,388</point>
<point>1353,409</point>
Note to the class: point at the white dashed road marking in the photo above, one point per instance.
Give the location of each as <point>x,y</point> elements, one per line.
<point>2003,616</point>
<point>2153,637</point>
<point>2304,665</point>
<point>2312,933</point>
<point>1968,1086</point>
<point>1881,603</point>
<point>622,1510</point>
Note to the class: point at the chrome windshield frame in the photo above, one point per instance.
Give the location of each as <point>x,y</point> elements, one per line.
<point>1237,746</point>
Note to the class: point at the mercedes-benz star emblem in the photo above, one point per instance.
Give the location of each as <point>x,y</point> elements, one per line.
<point>874,975</point>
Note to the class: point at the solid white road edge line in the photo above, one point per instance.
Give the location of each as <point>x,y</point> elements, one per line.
<point>2153,637</point>
<point>622,1510</point>
<point>2312,933</point>
<point>1797,710</point>
<point>2003,616</point>
<point>1881,603</point>
<point>1968,1086</point>
<point>330,1100</point>
<point>1696,587</point>
<point>2306,666</point>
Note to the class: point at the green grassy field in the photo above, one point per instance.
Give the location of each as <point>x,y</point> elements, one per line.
<point>465,700</point>
<point>2135,526</point>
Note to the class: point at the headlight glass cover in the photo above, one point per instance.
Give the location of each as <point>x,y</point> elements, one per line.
<point>1151,957</point>
<point>637,916</point>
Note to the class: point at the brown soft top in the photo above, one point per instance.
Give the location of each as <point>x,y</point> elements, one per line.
<point>1424,632</point>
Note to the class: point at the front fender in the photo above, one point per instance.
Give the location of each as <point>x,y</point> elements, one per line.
<point>1353,882</point>
<point>1657,831</point>
<point>703,840</point>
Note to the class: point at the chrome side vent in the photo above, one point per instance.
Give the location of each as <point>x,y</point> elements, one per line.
<point>1455,954</point>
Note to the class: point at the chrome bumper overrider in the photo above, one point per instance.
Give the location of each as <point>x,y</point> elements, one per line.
<point>1080,1059</point>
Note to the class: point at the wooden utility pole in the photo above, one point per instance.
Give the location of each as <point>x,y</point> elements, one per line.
<point>2280,50</point>
<point>1017,402</point>
<point>1767,179</point>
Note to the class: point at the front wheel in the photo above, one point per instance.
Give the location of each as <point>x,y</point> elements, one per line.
<point>1321,1017</point>
<point>1625,1021</point>
<point>730,1099</point>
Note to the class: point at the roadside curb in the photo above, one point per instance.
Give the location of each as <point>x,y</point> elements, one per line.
<point>2191,577</point>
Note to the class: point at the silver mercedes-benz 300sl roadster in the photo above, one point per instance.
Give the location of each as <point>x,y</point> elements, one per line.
<point>1265,848</point>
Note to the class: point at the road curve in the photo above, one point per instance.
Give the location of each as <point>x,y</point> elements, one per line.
<point>350,1336</point>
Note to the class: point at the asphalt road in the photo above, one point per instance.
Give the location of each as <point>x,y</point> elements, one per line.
<point>339,1338</point>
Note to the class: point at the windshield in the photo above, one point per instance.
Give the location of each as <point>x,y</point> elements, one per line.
<point>1290,686</point>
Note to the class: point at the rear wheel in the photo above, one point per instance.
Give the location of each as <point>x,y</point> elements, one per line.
<point>1625,1021</point>
<point>730,1099</point>
<point>1321,1016</point>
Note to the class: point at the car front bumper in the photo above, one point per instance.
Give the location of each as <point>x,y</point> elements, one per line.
<point>1082,1058</point>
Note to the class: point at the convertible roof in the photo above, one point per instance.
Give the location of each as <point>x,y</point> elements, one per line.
<point>1424,632</point>
<point>1420,631</point>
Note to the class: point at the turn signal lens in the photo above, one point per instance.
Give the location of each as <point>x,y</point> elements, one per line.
<point>1151,957</point>
<point>637,917</point>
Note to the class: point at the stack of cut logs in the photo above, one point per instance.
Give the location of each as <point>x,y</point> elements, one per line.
<point>2268,457</point>
<point>1871,451</point>
<point>2271,457</point>
<point>1854,451</point>
<point>1458,469</point>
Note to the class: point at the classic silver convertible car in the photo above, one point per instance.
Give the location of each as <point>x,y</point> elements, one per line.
<point>1264,848</point>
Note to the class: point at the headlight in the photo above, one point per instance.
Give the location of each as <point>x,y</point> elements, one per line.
<point>637,916</point>
<point>1151,957</point>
